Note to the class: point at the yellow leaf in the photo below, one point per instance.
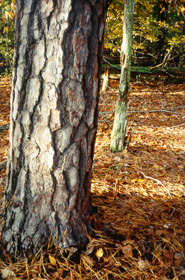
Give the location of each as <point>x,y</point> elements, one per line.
<point>99,253</point>
<point>6,7</point>
<point>5,29</point>
<point>8,15</point>
<point>156,166</point>
<point>138,180</point>
<point>52,260</point>
<point>13,6</point>
<point>183,39</point>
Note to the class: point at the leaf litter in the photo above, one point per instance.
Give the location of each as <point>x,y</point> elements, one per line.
<point>138,194</point>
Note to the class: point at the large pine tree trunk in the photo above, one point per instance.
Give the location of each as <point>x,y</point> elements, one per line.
<point>120,119</point>
<point>54,111</point>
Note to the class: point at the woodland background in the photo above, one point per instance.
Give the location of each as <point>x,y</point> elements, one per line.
<point>158,33</point>
<point>138,194</point>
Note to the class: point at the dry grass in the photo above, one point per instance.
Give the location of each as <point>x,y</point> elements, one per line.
<point>139,230</point>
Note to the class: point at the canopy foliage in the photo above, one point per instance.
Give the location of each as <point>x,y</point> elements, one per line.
<point>158,34</point>
<point>7,15</point>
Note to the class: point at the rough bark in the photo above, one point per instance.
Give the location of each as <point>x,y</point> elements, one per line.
<point>54,111</point>
<point>120,119</point>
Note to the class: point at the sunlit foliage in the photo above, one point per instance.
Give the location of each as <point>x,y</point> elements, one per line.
<point>158,35</point>
<point>7,15</point>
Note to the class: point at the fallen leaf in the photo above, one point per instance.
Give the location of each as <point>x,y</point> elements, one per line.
<point>99,253</point>
<point>7,272</point>
<point>143,264</point>
<point>127,251</point>
<point>178,258</point>
<point>167,256</point>
<point>128,241</point>
<point>52,260</point>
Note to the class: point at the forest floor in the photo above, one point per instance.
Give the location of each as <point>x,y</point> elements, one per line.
<point>139,193</point>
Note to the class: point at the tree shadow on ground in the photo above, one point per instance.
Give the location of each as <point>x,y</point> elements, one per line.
<point>146,233</point>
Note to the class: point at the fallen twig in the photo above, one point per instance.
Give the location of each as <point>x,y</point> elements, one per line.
<point>4,126</point>
<point>177,125</point>
<point>109,112</point>
<point>157,181</point>
<point>171,111</point>
<point>150,111</point>
<point>3,164</point>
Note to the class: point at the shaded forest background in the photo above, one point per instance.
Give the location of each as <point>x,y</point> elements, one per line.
<point>158,33</point>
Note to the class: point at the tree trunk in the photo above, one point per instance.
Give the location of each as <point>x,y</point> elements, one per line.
<point>160,13</point>
<point>120,119</point>
<point>54,112</point>
<point>105,79</point>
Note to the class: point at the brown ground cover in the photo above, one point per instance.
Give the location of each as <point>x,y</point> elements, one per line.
<point>138,193</point>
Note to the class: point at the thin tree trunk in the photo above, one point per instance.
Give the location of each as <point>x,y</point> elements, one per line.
<point>54,111</point>
<point>181,48</point>
<point>120,120</point>
<point>105,79</point>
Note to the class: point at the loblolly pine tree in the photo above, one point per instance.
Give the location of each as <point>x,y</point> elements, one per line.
<point>54,112</point>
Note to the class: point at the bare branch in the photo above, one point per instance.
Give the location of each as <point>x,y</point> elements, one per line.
<point>157,181</point>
